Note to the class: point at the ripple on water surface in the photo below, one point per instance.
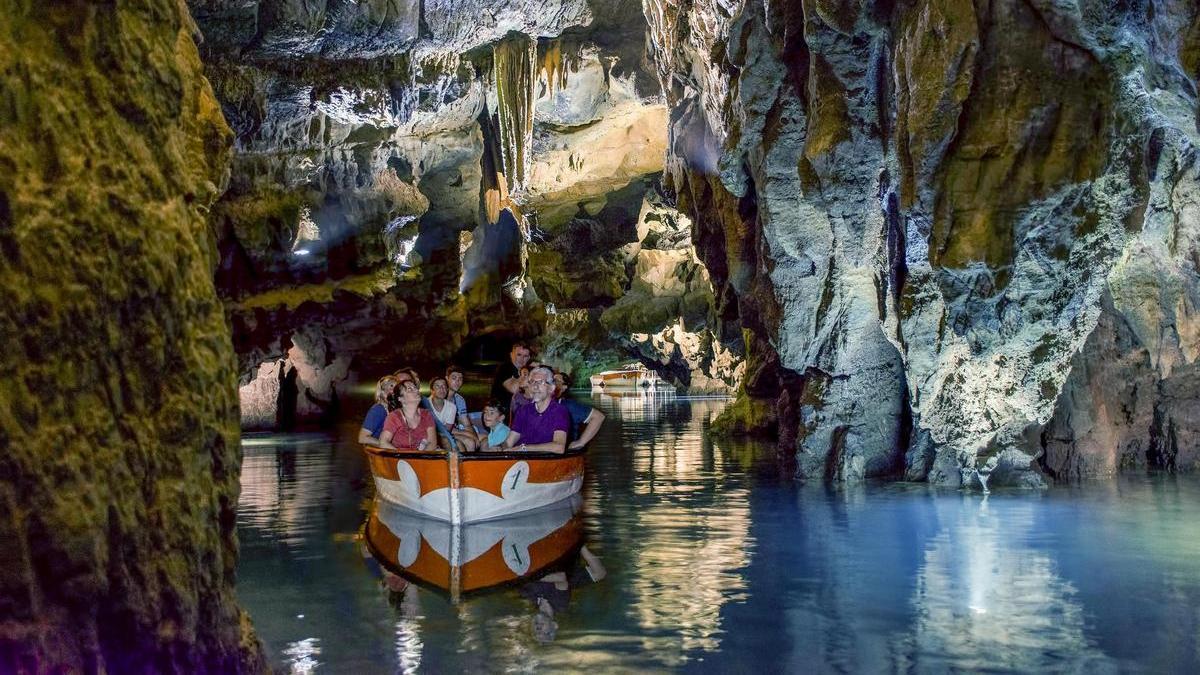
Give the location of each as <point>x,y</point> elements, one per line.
<point>714,563</point>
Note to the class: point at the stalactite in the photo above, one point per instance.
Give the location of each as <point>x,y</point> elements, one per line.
<point>493,188</point>
<point>557,59</point>
<point>553,70</point>
<point>495,198</point>
<point>513,71</point>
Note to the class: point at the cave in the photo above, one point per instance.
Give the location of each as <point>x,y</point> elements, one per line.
<point>874,248</point>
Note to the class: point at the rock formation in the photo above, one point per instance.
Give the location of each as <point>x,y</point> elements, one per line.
<point>407,181</point>
<point>118,413</point>
<point>927,238</point>
<point>960,236</point>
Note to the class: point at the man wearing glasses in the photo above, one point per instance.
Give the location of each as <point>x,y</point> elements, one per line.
<point>541,427</point>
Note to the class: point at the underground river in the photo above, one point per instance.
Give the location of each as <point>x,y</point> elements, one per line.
<point>713,563</point>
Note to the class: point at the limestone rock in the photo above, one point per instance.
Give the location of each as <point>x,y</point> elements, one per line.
<point>1002,297</point>
<point>597,134</point>
<point>583,263</point>
<point>695,361</point>
<point>376,28</point>
<point>575,341</point>
<point>917,210</point>
<point>942,235</point>
<point>371,139</point>
<point>119,475</point>
<point>633,288</point>
<point>799,164</point>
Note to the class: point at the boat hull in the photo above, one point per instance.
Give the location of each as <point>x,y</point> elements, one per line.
<point>478,557</point>
<point>625,379</point>
<point>471,488</point>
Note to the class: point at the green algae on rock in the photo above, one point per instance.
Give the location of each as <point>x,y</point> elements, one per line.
<point>119,475</point>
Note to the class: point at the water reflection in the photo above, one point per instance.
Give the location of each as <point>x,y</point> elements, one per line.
<point>987,598</point>
<point>285,481</point>
<point>409,644</point>
<point>714,563</point>
<point>301,655</point>
<point>684,519</point>
<point>472,558</point>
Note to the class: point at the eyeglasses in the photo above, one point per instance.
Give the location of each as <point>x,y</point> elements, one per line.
<point>538,383</point>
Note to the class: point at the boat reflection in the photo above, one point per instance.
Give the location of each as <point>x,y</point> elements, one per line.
<point>477,557</point>
<point>641,403</point>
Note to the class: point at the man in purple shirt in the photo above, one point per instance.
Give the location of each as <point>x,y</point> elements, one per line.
<point>541,427</point>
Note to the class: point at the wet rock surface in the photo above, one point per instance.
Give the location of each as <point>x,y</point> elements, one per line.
<point>918,209</point>
<point>120,462</point>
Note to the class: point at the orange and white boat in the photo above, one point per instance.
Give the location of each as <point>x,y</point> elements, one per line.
<point>465,488</point>
<point>630,376</point>
<point>464,560</point>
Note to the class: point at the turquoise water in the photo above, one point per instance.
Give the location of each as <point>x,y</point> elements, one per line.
<point>714,563</point>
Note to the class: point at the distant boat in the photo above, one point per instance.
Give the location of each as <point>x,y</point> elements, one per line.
<point>629,376</point>
<point>474,558</point>
<point>465,488</point>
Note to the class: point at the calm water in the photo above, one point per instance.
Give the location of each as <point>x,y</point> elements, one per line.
<point>714,564</point>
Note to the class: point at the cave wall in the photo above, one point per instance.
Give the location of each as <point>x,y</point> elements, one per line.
<point>919,230</point>
<point>375,153</point>
<point>118,410</point>
<point>953,231</point>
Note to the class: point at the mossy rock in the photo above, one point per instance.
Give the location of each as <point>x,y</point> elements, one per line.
<point>578,282</point>
<point>746,416</point>
<point>120,485</point>
<point>264,221</point>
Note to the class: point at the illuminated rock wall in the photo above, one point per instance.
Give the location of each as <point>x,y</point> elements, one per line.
<point>118,411</point>
<point>959,235</point>
<point>374,155</point>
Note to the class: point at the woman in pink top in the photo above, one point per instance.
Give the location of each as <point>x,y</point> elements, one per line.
<point>408,425</point>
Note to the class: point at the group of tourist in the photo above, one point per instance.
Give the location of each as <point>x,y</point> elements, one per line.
<point>529,410</point>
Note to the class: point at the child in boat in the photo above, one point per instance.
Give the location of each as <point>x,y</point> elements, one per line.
<point>463,430</point>
<point>497,430</point>
<point>439,402</point>
<point>372,425</point>
<point>446,412</point>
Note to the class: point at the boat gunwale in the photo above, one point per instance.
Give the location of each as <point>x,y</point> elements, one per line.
<point>472,456</point>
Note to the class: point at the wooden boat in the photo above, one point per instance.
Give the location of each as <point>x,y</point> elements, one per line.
<point>630,376</point>
<point>464,488</point>
<point>469,559</point>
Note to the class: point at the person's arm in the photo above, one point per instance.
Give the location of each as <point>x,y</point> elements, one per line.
<point>375,419</point>
<point>590,427</point>
<point>514,437</point>
<point>557,445</point>
<point>464,421</point>
<point>594,567</point>
<point>385,440</point>
<point>512,384</point>
<point>430,437</point>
